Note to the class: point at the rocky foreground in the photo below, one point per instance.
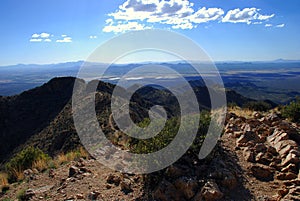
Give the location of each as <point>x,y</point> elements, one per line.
<point>257,159</point>
<point>267,150</point>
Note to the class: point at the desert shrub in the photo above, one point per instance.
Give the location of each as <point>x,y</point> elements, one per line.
<point>167,135</point>
<point>257,106</point>
<point>292,111</point>
<point>25,159</point>
<point>169,131</point>
<point>205,120</point>
<point>160,140</point>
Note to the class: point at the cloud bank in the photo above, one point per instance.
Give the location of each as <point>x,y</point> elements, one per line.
<point>247,15</point>
<point>177,14</point>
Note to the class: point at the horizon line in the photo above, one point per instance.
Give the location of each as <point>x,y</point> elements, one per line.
<point>149,62</point>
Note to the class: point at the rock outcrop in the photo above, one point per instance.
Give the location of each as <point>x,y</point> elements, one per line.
<point>270,145</point>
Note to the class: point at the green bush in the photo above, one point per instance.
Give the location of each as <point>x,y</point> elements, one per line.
<point>292,111</point>
<point>24,160</point>
<point>257,106</point>
<point>158,142</point>
<point>165,137</point>
<point>205,120</point>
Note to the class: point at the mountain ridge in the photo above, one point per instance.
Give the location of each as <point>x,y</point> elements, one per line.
<point>25,115</point>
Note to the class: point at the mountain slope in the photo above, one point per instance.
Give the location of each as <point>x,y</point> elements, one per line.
<point>44,114</point>
<point>26,114</point>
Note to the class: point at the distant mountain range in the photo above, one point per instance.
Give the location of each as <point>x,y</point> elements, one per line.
<point>256,80</point>
<point>80,62</point>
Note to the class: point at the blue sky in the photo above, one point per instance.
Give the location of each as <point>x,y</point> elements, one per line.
<point>53,31</point>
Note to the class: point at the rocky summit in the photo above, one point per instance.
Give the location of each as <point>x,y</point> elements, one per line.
<point>257,158</point>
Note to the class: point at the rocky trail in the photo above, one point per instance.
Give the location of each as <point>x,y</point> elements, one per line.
<point>267,149</point>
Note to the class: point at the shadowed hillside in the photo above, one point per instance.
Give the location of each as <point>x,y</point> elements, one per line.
<point>46,111</point>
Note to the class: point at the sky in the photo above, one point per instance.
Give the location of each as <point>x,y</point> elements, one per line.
<point>53,31</point>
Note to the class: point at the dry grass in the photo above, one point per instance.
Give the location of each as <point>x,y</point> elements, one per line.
<point>40,164</point>
<point>3,179</point>
<point>71,156</point>
<point>83,153</point>
<point>60,159</point>
<point>243,112</point>
<point>18,174</point>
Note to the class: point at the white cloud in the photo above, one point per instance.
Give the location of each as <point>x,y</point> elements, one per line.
<point>93,37</point>
<point>44,35</point>
<point>178,14</point>
<point>40,37</point>
<point>64,40</point>
<point>36,40</point>
<point>122,27</point>
<point>280,25</point>
<point>264,17</point>
<point>268,25</point>
<point>35,35</point>
<point>205,15</point>
<point>247,15</point>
